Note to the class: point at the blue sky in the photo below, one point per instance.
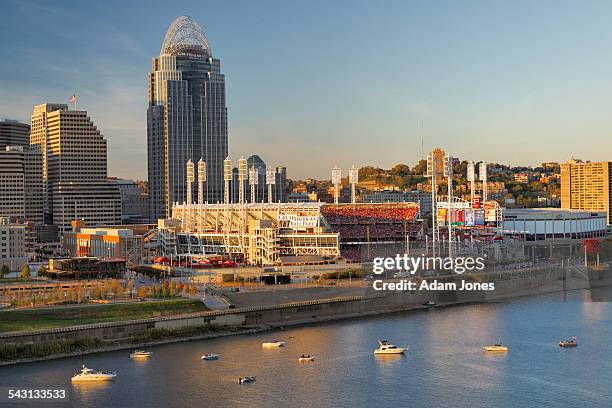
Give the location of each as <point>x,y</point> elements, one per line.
<point>314,84</point>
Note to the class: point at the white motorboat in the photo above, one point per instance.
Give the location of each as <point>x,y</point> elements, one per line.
<point>141,354</point>
<point>87,374</point>
<point>270,344</point>
<point>305,358</point>
<point>210,356</point>
<point>384,347</point>
<point>247,379</point>
<point>496,348</point>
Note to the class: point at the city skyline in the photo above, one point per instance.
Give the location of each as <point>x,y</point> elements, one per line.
<point>500,91</point>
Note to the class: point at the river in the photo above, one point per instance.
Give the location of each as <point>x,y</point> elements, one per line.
<point>445,365</point>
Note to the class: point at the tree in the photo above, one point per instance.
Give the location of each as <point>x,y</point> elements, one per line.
<point>172,289</point>
<point>164,291</point>
<point>131,286</point>
<point>70,294</point>
<point>142,292</point>
<point>41,270</point>
<point>25,271</point>
<point>79,294</point>
<point>5,269</point>
<point>193,290</point>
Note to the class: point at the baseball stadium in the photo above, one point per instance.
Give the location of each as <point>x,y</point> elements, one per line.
<point>282,233</point>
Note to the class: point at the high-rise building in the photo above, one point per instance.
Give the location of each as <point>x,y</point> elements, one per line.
<point>586,186</point>
<point>12,244</point>
<point>280,186</point>
<point>21,183</point>
<point>14,133</point>
<point>12,182</point>
<point>74,168</point>
<point>186,118</point>
<point>134,202</point>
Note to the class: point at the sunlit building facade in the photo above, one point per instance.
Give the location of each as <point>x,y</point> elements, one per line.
<point>186,117</point>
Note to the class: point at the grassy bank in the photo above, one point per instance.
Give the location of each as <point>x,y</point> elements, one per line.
<point>34,319</point>
<point>17,352</point>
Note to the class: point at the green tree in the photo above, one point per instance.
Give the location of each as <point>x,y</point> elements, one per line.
<point>5,269</point>
<point>25,271</point>
<point>41,270</point>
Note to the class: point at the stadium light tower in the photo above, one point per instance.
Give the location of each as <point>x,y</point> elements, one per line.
<point>242,176</point>
<point>227,177</point>
<point>270,181</point>
<point>336,180</point>
<point>448,172</point>
<point>432,172</point>
<point>201,180</point>
<point>471,177</point>
<point>190,177</point>
<point>482,174</point>
<point>253,178</point>
<point>353,180</point>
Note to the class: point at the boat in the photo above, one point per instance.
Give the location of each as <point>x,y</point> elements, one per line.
<point>429,303</point>
<point>496,347</point>
<point>384,347</point>
<point>271,344</point>
<point>569,343</point>
<point>87,374</point>
<point>141,354</point>
<point>247,379</point>
<point>210,356</point>
<point>304,358</point>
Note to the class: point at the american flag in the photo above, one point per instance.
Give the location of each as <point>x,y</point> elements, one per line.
<point>73,99</point>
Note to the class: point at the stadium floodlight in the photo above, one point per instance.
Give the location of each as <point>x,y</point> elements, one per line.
<point>471,177</point>
<point>471,171</point>
<point>336,180</point>
<point>253,175</point>
<point>201,180</point>
<point>482,173</point>
<point>227,170</point>
<point>242,176</point>
<point>270,180</point>
<point>190,177</point>
<point>353,175</point>
<point>353,180</point>
<point>431,165</point>
<point>227,177</point>
<point>448,166</point>
<point>253,179</point>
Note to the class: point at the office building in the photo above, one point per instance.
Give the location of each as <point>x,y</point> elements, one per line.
<point>74,168</point>
<point>14,133</point>
<point>186,118</point>
<point>134,201</point>
<point>280,188</point>
<point>12,244</point>
<point>586,186</point>
<point>21,183</point>
<point>108,243</point>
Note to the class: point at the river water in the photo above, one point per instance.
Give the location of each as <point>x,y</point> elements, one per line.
<point>444,367</point>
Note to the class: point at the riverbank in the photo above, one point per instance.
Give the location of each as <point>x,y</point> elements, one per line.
<point>149,332</point>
